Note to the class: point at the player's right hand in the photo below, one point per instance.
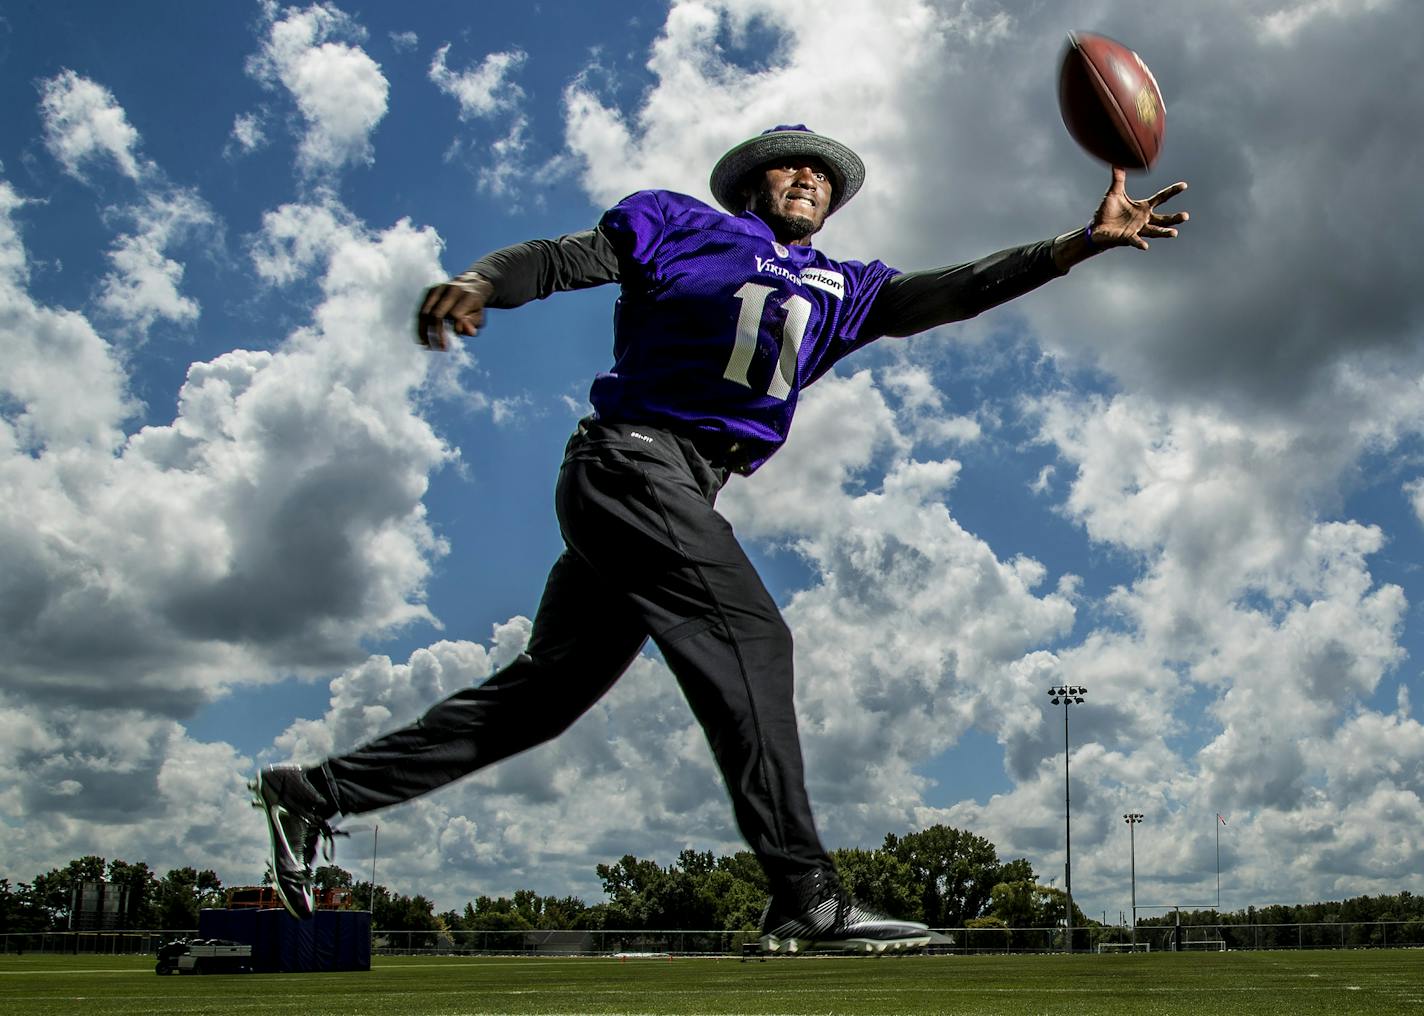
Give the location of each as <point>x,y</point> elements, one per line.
<point>460,301</point>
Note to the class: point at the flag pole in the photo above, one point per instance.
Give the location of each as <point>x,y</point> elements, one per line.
<point>1217,824</point>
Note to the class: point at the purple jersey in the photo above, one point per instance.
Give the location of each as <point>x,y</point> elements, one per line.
<point>718,326</point>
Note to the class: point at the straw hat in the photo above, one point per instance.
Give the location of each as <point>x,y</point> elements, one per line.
<point>784,141</point>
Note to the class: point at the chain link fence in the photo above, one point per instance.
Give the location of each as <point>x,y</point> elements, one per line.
<point>964,941</point>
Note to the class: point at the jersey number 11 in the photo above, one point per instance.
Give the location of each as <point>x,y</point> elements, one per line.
<point>798,313</point>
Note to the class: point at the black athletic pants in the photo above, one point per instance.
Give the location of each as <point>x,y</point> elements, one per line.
<point>646,555</point>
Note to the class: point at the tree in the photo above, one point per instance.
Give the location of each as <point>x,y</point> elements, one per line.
<point>19,909</point>
<point>183,892</point>
<point>634,888</point>
<point>52,893</point>
<point>411,914</point>
<point>955,872</point>
<point>741,890</point>
<point>1025,904</point>
<point>880,880</point>
<point>331,876</point>
<point>699,891</point>
<point>394,912</point>
<point>500,914</point>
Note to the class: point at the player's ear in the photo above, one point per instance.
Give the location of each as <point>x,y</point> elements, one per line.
<point>748,192</point>
<point>750,186</point>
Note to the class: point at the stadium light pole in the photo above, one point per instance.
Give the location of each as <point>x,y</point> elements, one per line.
<point>1132,819</point>
<point>1068,694</point>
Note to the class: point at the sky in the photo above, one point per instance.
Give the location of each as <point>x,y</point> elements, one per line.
<point>245,520</point>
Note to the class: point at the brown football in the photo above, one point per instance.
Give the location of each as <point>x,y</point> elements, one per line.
<point>1110,101</point>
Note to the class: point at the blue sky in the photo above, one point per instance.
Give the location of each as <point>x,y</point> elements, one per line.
<point>246,520</point>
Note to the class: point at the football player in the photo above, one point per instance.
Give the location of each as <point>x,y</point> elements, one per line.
<point>723,317</point>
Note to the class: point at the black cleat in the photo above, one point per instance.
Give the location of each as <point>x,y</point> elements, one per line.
<point>296,820</point>
<point>817,913</point>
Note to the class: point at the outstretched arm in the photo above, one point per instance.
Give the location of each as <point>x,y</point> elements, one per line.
<point>917,301</point>
<point>512,277</point>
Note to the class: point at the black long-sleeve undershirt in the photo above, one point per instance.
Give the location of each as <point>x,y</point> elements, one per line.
<point>907,303</point>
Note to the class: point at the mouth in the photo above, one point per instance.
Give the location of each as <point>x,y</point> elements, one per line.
<point>792,199</point>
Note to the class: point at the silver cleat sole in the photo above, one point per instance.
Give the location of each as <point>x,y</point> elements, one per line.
<point>772,944</point>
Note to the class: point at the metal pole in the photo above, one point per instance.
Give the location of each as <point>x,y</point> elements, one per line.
<point>1067,833</point>
<point>1217,826</point>
<point>1132,840</point>
<point>1070,694</point>
<point>375,838</point>
<point>1132,818</point>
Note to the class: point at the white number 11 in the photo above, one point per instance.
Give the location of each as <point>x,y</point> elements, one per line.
<point>798,312</point>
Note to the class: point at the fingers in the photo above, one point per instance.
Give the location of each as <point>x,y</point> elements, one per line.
<point>1167,192</point>
<point>463,309</point>
<point>447,301</point>
<point>430,333</point>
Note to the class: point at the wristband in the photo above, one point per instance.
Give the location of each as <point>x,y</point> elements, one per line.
<point>1088,235</point>
<point>469,281</point>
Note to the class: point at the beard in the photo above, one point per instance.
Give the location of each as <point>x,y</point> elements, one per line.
<point>793,227</point>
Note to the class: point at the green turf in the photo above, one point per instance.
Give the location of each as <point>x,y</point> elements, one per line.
<point>1390,981</point>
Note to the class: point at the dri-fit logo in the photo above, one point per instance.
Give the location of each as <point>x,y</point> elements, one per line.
<point>640,437</point>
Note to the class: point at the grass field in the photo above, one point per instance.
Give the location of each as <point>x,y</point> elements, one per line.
<point>1373,982</point>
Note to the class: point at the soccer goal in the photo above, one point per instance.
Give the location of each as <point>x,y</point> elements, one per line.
<point>1106,947</point>
<point>1206,945</point>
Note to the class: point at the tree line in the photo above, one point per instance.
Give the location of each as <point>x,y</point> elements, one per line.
<point>941,875</point>
<point>946,877</point>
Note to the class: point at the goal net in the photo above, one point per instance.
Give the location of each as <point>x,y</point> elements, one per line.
<point>1105,947</point>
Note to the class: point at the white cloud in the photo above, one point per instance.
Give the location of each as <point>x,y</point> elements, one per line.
<point>404,42</point>
<point>483,93</point>
<point>1237,651</point>
<point>1414,490</point>
<point>248,133</point>
<point>1285,22</point>
<point>1194,319</point>
<point>505,172</point>
<point>911,630</point>
<point>633,772</point>
<point>339,90</point>
<point>128,780</point>
<point>83,123</point>
<point>269,528</point>
<point>484,90</point>
<point>1253,624</point>
<point>144,285</point>
<point>63,387</point>
<point>1253,376</point>
<point>297,237</point>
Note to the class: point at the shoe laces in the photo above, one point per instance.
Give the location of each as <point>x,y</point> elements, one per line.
<point>830,886</point>
<point>320,830</point>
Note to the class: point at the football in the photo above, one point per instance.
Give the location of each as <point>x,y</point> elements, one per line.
<point>1110,101</point>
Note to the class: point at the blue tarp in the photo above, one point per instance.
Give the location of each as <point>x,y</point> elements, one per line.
<point>331,940</point>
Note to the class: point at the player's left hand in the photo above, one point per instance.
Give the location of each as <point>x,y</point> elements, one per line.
<point>1121,221</point>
